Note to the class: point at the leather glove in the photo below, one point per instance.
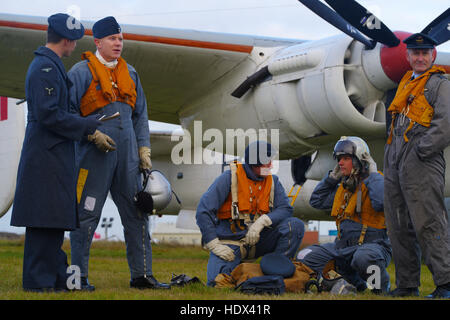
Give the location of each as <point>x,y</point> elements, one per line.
<point>221,250</point>
<point>336,174</point>
<point>252,236</point>
<point>370,162</point>
<point>145,158</point>
<point>102,141</point>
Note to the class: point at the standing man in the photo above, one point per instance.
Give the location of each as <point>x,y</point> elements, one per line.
<point>104,84</point>
<point>414,168</point>
<point>45,201</point>
<point>245,214</point>
<point>354,193</point>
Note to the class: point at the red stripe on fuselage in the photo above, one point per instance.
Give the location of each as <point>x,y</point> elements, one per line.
<point>3,108</point>
<point>145,38</point>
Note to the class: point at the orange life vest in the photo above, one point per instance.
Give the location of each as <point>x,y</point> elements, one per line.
<point>345,207</point>
<point>411,102</point>
<point>107,85</point>
<point>253,196</point>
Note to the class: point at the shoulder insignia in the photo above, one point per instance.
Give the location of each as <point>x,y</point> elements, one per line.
<point>47,69</point>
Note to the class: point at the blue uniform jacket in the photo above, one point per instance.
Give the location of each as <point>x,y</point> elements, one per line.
<point>46,181</point>
<point>211,201</point>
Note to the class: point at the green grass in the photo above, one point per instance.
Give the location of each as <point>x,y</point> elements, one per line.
<point>110,274</point>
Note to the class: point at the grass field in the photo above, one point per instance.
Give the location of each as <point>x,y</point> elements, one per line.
<point>110,274</point>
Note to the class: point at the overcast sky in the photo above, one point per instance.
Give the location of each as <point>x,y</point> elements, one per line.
<point>274,18</point>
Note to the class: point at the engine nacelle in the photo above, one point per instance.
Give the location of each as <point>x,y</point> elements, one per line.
<point>318,91</point>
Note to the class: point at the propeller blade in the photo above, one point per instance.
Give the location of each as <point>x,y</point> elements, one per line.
<point>439,28</point>
<point>365,21</point>
<point>336,20</point>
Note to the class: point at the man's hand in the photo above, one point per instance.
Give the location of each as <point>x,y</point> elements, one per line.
<point>336,174</point>
<point>221,250</point>
<point>145,158</point>
<point>102,141</point>
<point>252,236</point>
<point>372,165</point>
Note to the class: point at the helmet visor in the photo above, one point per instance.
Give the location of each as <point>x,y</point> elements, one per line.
<point>344,147</point>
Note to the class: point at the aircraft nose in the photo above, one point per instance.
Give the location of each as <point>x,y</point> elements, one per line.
<point>393,60</point>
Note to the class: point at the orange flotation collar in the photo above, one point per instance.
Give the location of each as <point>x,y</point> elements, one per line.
<point>410,101</point>
<point>107,86</point>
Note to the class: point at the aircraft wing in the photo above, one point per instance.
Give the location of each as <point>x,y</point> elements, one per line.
<point>175,66</point>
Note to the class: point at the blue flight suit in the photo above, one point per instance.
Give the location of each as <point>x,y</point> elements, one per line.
<point>284,235</point>
<point>352,259</point>
<point>45,198</point>
<point>116,171</point>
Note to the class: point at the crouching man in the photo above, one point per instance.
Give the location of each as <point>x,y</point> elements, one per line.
<point>246,214</point>
<point>354,193</point>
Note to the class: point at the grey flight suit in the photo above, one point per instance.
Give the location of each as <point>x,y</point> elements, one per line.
<point>117,172</point>
<point>415,212</point>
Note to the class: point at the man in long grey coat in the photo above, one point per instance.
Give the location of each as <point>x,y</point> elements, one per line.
<point>414,169</point>
<point>45,201</point>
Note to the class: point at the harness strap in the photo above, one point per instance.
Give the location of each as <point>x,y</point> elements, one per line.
<point>411,124</point>
<point>359,201</point>
<point>246,254</point>
<point>362,235</point>
<point>272,195</point>
<point>391,129</point>
<point>234,192</point>
<point>236,224</point>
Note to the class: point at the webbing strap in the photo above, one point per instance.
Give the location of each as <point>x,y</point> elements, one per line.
<point>272,194</point>
<point>363,234</point>
<point>391,129</point>
<point>245,254</point>
<point>359,201</point>
<point>234,192</point>
<point>411,124</point>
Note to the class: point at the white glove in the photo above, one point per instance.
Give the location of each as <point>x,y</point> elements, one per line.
<point>221,250</point>
<point>336,174</point>
<point>252,236</point>
<point>145,160</point>
<point>369,160</point>
<point>102,141</point>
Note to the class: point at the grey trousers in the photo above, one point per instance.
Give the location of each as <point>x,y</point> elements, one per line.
<point>415,212</point>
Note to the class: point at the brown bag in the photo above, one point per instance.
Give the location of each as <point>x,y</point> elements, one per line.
<point>245,271</point>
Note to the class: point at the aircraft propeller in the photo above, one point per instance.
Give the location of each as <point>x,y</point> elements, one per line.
<point>439,28</point>
<point>336,20</point>
<point>359,23</point>
<point>355,15</point>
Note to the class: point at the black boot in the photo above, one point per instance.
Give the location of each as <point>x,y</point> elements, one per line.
<point>442,291</point>
<point>85,285</point>
<point>404,292</point>
<point>148,282</point>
